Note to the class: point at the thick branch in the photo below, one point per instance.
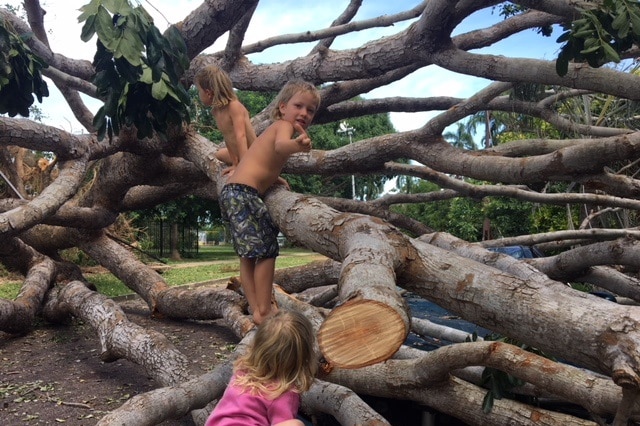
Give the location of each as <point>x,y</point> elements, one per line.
<point>18,316</point>
<point>46,203</point>
<point>120,338</point>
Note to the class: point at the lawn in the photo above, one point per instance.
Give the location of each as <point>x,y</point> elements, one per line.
<point>210,263</point>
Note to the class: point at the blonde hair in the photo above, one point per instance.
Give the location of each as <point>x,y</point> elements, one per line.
<point>288,90</point>
<point>280,358</point>
<point>213,78</point>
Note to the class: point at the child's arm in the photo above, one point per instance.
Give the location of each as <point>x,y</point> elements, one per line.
<point>223,155</point>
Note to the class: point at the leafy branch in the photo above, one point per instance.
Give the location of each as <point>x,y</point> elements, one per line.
<point>499,383</point>
<point>138,69</point>
<point>600,35</point>
<point>20,76</point>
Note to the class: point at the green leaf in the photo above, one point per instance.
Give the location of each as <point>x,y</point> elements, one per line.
<point>99,122</point>
<point>584,33</point>
<point>172,93</point>
<point>563,37</point>
<point>110,5</point>
<point>590,50</point>
<point>159,90</point>
<point>104,27</point>
<point>620,21</point>
<point>145,20</point>
<point>121,7</point>
<point>130,73</point>
<point>591,41</point>
<point>89,10</point>
<point>178,46</point>
<point>610,53</point>
<point>130,46</point>
<point>154,46</point>
<point>623,33</point>
<point>88,29</point>
<point>183,95</point>
<point>635,23</point>
<point>146,75</point>
<point>580,22</point>
<point>562,66</point>
<point>487,403</point>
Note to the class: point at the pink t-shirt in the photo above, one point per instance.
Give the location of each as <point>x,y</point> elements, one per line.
<point>236,408</point>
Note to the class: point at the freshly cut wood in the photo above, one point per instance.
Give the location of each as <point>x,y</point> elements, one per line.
<point>359,333</point>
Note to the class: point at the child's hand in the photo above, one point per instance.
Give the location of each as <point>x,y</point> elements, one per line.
<point>282,181</point>
<point>303,139</point>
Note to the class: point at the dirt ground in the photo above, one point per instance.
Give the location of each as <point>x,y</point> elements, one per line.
<point>54,375</point>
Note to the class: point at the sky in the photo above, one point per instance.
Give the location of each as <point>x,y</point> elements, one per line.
<point>276,17</point>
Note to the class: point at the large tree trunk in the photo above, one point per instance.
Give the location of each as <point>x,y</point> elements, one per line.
<point>355,299</point>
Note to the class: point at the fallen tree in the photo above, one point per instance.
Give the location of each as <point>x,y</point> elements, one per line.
<point>131,160</point>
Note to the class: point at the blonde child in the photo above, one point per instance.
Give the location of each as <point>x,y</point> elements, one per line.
<point>232,118</point>
<point>254,233</point>
<point>267,381</point>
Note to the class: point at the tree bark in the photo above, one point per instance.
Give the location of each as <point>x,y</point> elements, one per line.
<point>560,136</point>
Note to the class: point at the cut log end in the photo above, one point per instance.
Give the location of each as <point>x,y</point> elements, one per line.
<point>360,333</point>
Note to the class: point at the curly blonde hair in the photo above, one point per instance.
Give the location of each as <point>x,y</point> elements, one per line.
<point>280,358</point>
<point>214,79</point>
<point>286,93</point>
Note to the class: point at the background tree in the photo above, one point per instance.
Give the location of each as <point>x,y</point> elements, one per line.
<point>460,138</point>
<point>140,151</point>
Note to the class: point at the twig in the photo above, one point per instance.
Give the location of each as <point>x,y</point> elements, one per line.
<point>71,404</point>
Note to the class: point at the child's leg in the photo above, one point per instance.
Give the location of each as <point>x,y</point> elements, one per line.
<point>263,281</point>
<point>223,155</point>
<point>247,270</point>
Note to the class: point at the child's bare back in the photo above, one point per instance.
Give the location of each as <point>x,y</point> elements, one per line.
<point>232,118</point>
<point>235,124</point>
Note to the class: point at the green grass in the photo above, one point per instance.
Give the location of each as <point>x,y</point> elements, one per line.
<point>226,266</point>
<point>10,290</point>
<point>211,253</point>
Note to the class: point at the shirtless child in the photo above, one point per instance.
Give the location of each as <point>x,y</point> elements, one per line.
<point>254,233</point>
<point>232,118</point>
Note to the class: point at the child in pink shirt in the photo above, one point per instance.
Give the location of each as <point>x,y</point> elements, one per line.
<point>267,381</point>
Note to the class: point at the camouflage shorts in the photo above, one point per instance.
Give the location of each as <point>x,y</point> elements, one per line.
<point>253,232</point>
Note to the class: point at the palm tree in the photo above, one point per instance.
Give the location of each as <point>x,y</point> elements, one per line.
<point>461,138</point>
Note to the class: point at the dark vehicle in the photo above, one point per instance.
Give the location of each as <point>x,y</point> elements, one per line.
<point>526,252</point>
<point>519,252</point>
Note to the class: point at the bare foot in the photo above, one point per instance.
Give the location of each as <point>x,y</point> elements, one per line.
<point>258,319</point>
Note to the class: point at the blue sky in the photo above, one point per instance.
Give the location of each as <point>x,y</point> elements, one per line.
<point>276,17</point>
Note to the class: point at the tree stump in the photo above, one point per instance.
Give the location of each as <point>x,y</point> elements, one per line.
<point>359,333</point>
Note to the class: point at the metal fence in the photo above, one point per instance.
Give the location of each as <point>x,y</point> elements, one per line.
<point>158,238</point>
